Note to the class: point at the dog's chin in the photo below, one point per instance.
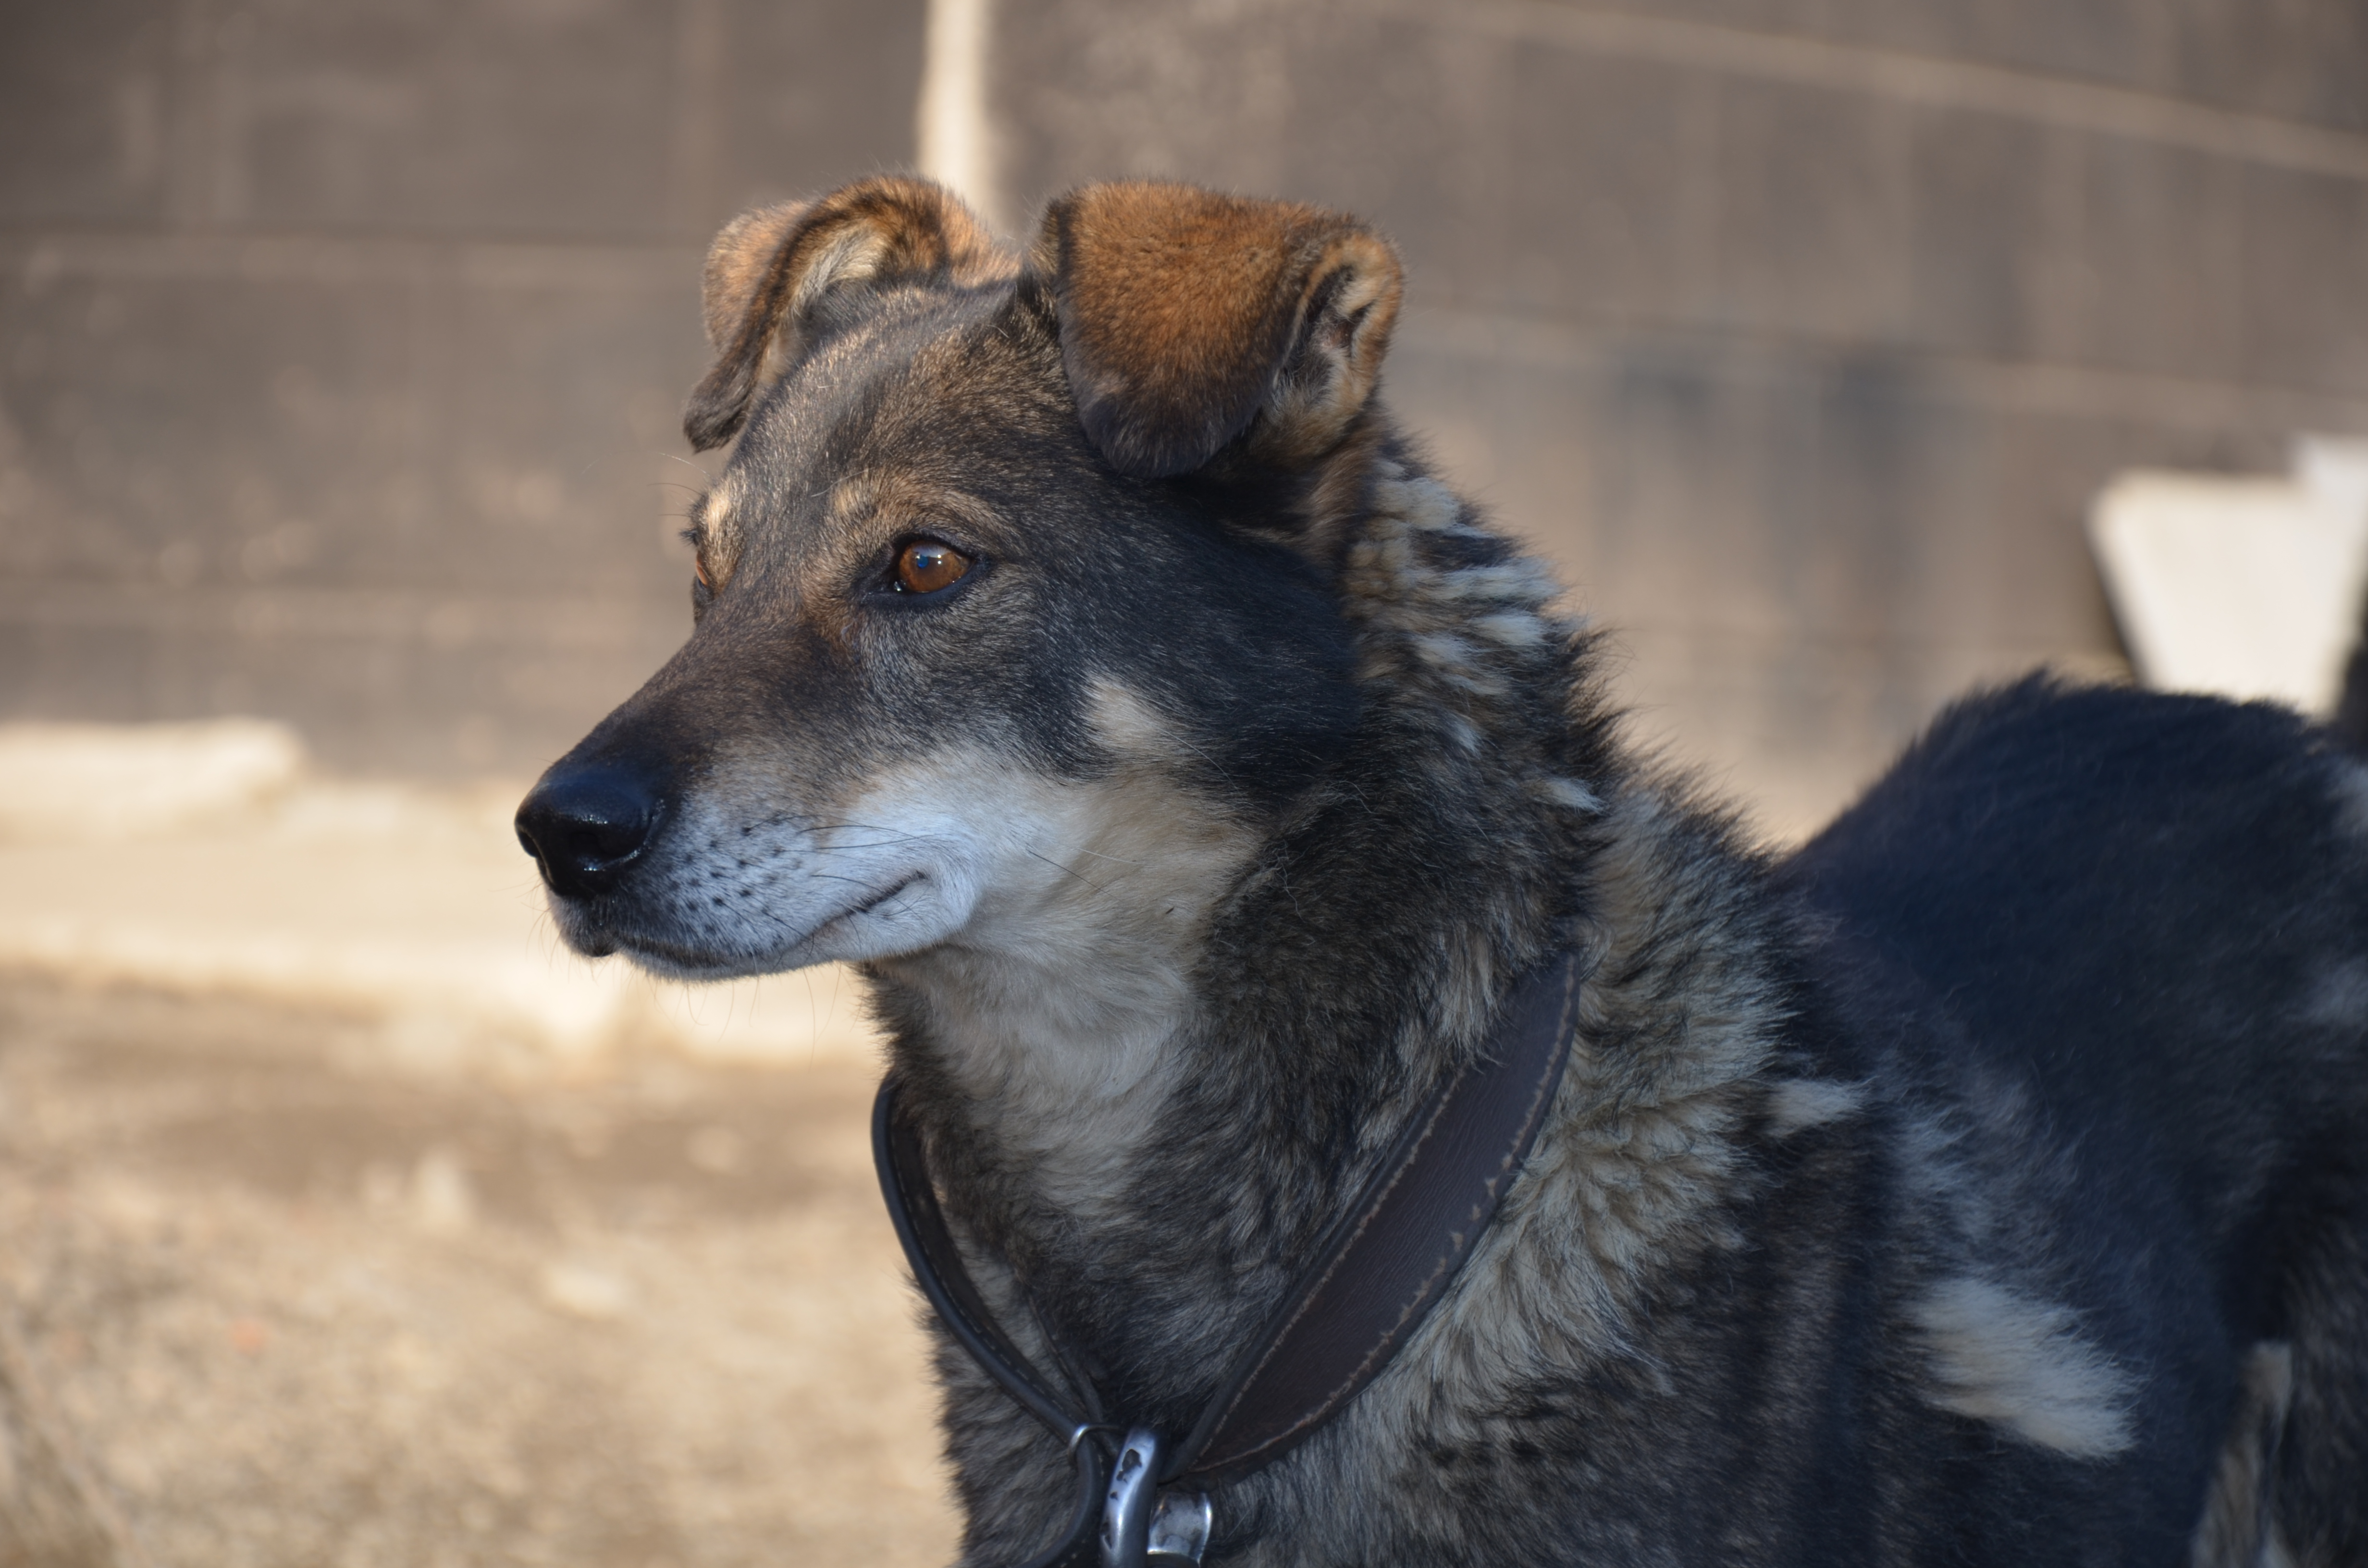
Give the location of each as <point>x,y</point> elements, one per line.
<point>672,963</point>
<point>578,928</point>
<point>910,915</point>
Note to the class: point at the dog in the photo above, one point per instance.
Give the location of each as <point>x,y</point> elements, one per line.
<point>2350,717</point>
<point>1081,650</point>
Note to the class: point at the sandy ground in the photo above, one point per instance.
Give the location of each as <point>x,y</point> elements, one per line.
<point>346,1219</point>
<point>296,1268</point>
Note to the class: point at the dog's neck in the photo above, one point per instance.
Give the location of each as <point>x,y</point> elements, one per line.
<point>1179,1095</point>
<point>1054,1014</point>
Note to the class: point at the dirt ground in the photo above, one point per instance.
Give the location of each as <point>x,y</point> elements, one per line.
<point>272,1296</point>
<point>346,1219</point>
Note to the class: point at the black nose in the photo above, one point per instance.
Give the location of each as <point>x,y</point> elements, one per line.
<point>586,824</point>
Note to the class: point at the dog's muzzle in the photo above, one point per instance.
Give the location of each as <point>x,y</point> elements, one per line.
<point>586,824</point>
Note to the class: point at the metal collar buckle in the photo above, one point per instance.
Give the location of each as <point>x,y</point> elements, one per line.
<point>1142,1525</point>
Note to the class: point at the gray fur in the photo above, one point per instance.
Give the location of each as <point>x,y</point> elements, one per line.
<point>1797,1270</point>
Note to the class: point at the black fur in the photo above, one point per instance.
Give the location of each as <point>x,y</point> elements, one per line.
<point>2114,912</point>
<point>1981,1183</point>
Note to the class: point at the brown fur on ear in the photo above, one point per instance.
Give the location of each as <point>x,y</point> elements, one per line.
<point>735,265</point>
<point>774,276</point>
<point>1185,316</point>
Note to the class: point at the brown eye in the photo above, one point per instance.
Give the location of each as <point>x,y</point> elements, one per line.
<point>926,565</point>
<point>698,570</point>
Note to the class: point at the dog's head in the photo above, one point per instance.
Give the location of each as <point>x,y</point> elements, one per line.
<point>1015,607</point>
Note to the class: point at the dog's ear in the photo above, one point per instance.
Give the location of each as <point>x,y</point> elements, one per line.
<point>1187,317</point>
<point>781,277</point>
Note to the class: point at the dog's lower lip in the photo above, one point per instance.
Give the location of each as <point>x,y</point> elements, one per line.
<point>868,906</point>
<point>638,943</point>
<point>687,958</point>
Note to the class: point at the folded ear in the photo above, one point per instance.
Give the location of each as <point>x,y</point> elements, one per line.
<point>780,277</point>
<point>1186,317</point>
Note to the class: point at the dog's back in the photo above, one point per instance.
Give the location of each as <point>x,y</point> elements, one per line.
<point>2108,951</point>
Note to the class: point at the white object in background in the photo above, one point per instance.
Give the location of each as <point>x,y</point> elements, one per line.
<point>951,129</point>
<point>111,780</point>
<point>2334,468</point>
<point>2243,587</point>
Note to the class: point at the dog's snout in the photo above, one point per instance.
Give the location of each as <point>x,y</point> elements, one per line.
<point>585,826</point>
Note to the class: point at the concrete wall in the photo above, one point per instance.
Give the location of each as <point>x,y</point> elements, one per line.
<point>1800,331</point>
<point>341,344</point>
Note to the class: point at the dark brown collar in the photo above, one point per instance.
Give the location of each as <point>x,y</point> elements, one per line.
<point>1372,1277</point>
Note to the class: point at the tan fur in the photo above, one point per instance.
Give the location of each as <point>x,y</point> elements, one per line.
<point>1174,904</point>
<point>1410,615</point>
<point>1567,794</point>
<point>717,531</point>
<point>2022,1365</point>
<point>1432,610</point>
<point>1633,1169</point>
<point>1798,1103</point>
<point>2236,1531</point>
<point>736,261</point>
<point>1632,1172</point>
<point>1063,991</point>
<point>772,273</point>
<point>1642,1150</point>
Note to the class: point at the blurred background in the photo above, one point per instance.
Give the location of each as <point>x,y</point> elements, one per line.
<point>1826,346</point>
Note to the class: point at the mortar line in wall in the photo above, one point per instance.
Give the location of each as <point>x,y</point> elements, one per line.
<point>445,621</point>
<point>44,254</point>
<point>1901,76</point>
<point>1588,344</point>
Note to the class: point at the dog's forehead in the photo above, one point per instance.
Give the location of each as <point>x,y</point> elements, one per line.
<point>924,383</point>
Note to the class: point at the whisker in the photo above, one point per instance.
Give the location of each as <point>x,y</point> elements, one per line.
<point>887,835</point>
<point>1070,870</point>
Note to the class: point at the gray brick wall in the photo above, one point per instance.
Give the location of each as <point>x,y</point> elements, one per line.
<point>1799,330</point>
<point>341,346</point>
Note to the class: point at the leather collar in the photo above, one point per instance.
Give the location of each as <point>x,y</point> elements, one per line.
<point>1372,1277</point>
